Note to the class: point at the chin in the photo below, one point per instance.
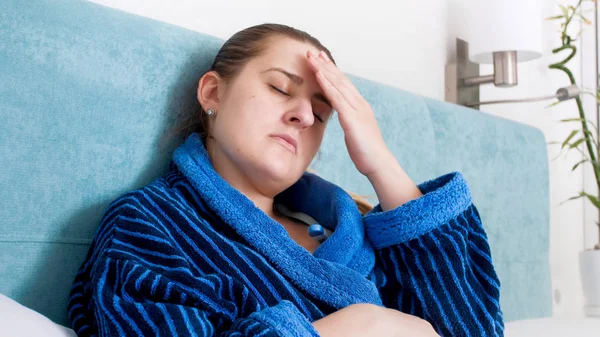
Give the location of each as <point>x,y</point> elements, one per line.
<point>281,171</point>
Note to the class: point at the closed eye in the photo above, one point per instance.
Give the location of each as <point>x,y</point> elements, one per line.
<point>288,95</point>
<point>280,91</point>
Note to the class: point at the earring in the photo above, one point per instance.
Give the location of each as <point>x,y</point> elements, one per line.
<point>210,112</point>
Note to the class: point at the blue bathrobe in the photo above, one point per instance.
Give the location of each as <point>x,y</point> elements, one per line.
<point>189,255</point>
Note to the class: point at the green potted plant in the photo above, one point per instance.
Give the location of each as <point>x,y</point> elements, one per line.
<point>589,259</point>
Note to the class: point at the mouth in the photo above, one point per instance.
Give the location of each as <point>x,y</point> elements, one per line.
<point>287,141</point>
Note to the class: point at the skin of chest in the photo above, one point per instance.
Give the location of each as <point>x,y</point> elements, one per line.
<point>298,231</point>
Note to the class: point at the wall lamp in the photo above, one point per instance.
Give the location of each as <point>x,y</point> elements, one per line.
<point>503,33</point>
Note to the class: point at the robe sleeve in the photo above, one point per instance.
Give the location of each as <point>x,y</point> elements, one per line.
<point>434,260</point>
<point>142,286</point>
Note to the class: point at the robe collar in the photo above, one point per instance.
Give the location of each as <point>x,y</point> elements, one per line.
<point>337,271</point>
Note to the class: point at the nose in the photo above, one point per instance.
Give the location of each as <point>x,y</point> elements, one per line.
<point>301,115</point>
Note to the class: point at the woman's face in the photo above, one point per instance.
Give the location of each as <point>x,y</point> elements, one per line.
<point>271,117</point>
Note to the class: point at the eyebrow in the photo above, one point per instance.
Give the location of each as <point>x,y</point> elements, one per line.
<point>297,80</point>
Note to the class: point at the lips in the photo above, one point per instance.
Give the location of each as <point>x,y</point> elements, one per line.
<point>288,141</point>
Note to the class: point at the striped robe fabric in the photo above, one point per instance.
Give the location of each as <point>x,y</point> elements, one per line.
<point>188,255</point>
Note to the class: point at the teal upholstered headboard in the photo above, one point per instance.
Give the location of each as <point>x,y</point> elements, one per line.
<point>87,93</point>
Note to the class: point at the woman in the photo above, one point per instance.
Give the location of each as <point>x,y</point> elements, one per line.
<point>220,246</point>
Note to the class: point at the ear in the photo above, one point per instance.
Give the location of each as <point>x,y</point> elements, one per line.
<point>208,90</point>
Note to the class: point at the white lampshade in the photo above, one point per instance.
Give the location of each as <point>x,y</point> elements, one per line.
<point>504,25</point>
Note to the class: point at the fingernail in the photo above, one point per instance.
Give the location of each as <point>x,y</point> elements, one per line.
<point>325,56</point>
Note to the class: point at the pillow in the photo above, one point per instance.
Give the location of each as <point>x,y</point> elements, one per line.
<point>17,320</point>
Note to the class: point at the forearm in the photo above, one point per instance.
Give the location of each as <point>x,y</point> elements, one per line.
<point>393,186</point>
<point>365,319</point>
<point>355,320</point>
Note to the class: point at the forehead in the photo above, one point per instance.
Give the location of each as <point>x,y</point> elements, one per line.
<point>286,51</point>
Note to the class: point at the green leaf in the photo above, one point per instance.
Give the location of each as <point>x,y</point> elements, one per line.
<point>579,141</point>
<point>593,199</point>
<point>564,10</point>
<point>555,17</point>
<point>559,153</point>
<point>585,155</point>
<point>588,22</point>
<point>557,156</point>
<point>591,135</point>
<point>581,162</point>
<point>597,97</point>
<point>589,123</point>
<point>572,198</point>
<point>553,104</point>
<point>577,120</point>
<point>573,133</point>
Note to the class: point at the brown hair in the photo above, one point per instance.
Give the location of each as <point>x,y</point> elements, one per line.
<point>230,60</point>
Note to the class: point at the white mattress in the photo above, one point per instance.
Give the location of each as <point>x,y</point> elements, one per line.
<point>554,327</point>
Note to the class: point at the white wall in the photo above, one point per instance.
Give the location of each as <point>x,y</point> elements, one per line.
<point>367,35</point>
<point>407,44</point>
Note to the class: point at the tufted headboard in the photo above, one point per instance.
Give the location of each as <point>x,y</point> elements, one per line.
<point>87,94</point>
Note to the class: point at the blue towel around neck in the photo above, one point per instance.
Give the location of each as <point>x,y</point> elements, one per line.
<point>189,255</point>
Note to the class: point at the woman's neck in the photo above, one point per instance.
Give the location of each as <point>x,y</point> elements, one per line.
<point>239,180</point>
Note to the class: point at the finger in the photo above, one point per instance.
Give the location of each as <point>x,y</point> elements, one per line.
<point>329,67</point>
<point>336,78</point>
<point>340,80</point>
<point>334,69</point>
<point>335,81</point>
<point>339,102</point>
